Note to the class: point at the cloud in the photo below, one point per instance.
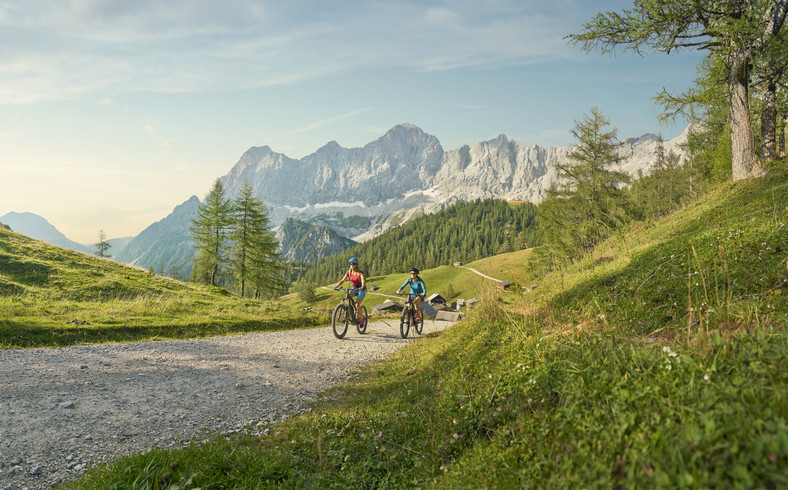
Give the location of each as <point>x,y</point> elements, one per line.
<point>320,124</point>
<point>66,48</point>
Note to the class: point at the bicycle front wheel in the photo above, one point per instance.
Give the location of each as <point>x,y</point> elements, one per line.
<point>404,323</point>
<point>339,321</point>
<point>362,326</point>
<point>418,324</point>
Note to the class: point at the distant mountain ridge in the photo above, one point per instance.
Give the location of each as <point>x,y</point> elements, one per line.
<point>361,192</point>
<point>407,172</point>
<point>166,245</point>
<point>303,242</point>
<point>39,228</point>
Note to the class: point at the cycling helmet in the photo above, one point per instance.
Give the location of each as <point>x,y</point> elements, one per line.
<point>415,270</point>
<point>353,260</point>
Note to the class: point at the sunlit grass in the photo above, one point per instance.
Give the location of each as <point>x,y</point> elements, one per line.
<point>51,297</point>
<point>657,362</point>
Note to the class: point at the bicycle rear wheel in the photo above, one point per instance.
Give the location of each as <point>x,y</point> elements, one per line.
<point>404,323</point>
<point>339,321</point>
<point>362,326</point>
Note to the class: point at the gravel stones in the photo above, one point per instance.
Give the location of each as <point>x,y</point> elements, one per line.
<point>64,409</point>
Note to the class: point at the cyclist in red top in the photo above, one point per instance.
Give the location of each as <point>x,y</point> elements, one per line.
<point>359,280</point>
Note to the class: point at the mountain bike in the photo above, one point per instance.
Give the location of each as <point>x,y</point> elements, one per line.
<point>345,314</point>
<point>409,319</point>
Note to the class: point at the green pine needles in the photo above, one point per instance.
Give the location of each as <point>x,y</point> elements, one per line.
<point>235,244</point>
<point>587,203</point>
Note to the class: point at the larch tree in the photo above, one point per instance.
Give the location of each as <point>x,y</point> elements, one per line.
<point>586,203</point>
<point>102,246</point>
<point>769,71</point>
<point>210,232</point>
<point>734,30</point>
<point>254,246</point>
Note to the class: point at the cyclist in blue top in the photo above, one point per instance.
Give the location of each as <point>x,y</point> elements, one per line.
<point>417,287</point>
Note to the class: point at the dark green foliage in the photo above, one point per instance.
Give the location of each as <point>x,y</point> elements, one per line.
<point>253,246</point>
<point>464,232</point>
<point>210,231</point>
<point>586,204</point>
<point>237,234</point>
<point>53,297</point>
<point>665,189</point>
<point>737,35</point>
<point>306,292</point>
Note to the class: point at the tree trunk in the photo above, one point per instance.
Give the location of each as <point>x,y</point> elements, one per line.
<point>744,161</point>
<point>769,122</point>
<point>781,136</point>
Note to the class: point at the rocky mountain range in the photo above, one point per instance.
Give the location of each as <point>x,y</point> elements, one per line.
<point>301,241</point>
<point>166,245</point>
<point>337,196</point>
<point>361,192</point>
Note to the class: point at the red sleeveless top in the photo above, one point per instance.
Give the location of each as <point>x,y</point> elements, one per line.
<point>354,278</point>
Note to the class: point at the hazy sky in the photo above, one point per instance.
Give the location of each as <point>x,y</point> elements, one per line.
<point>112,112</point>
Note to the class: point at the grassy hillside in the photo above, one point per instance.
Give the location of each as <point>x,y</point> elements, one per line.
<point>657,362</point>
<point>51,296</point>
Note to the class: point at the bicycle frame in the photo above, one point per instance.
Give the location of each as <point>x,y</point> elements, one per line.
<point>408,317</point>
<point>345,313</point>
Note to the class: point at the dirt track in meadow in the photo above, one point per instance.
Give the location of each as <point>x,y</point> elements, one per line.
<point>64,409</point>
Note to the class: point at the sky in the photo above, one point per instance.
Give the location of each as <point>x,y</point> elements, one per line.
<point>113,112</point>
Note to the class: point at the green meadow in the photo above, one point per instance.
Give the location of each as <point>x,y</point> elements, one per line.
<point>658,361</point>
<point>51,297</point>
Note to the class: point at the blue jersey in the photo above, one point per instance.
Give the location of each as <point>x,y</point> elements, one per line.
<point>416,287</point>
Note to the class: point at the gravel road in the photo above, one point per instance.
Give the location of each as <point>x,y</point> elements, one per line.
<point>64,409</point>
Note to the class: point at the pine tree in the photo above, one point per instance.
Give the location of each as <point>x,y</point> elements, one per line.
<point>210,231</point>
<point>734,32</point>
<point>306,292</point>
<point>254,246</point>
<point>585,205</point>
<point>102,245</point>
<point>245,218</point>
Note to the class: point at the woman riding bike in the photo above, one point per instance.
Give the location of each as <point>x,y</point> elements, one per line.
<point>359,280</point>
<point>417,287</point>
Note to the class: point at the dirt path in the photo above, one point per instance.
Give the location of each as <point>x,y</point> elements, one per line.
<point>64,409</point>
<point>479,273</point>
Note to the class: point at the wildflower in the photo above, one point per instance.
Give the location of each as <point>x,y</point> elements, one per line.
<point>706,377</point>
<point>669,352</point>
